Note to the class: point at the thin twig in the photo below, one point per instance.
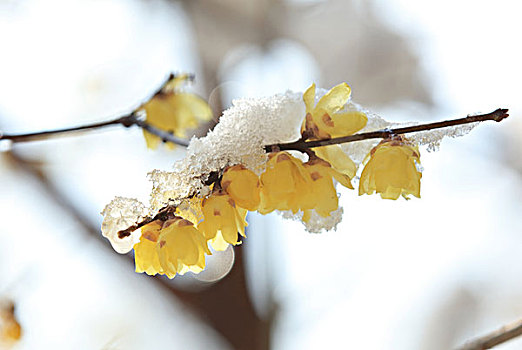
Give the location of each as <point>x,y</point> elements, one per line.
<point>495,338</point>
<point>302,145</point>
<point>126,120</point>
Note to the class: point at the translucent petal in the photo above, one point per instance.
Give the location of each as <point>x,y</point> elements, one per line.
<point>146,257</point>
<point>339,161</point>
<point>391,171</point>
<point>222,217</point>
<point>309,98</point>
<point>242,185</point>
<point>347,123</point>
<point>198,106</point>
<point>334,99</point>
<point>181,247</point>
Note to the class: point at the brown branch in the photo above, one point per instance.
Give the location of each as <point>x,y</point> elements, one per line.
<point>495,338</point>
<point>164,213</point>
<point>126,120</point>
<point>302,145</point>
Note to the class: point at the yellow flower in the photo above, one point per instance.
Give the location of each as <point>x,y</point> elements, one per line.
<point>10,328</point>
<point>283,184</point>
<point>324,120</point>
<point>223,220</point>
<point>392,170</point>
<point>145,256</point>
<point>174,111</point>
<point>242,185</point>
<point>321,194</point>
<point>181,247</point>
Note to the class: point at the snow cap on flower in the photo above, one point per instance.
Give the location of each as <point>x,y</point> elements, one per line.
<point>120,214</point>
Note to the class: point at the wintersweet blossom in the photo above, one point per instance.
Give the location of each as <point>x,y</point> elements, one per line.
<point>181,247</point>
<point>392,170</point>
<point>174,111</point>
<point>146,257</point>
<point>325,119</point>
<point>242,185</point>
<point>321,195</point>
<point>222,220</point>
<point>283,184</point>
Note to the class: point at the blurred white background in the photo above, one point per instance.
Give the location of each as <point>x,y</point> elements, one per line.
<point>423,274</point>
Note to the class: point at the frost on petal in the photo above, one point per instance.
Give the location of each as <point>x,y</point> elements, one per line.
<point>118,215</point>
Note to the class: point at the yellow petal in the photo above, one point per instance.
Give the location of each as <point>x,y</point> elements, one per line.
<point>347,123</point>
<point>146,257</point>
<point>282,184</point>
<point>243,186</point>
<point>322,195</point>
<point>334,99</point>
<point>198,107</point>
<point>222,217</point>
<point>160,115</point>
<point>309,98</point>
<point>339,161</point>
<point>181,247</point>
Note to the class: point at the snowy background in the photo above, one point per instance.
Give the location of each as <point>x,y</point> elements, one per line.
<point>422,274</point>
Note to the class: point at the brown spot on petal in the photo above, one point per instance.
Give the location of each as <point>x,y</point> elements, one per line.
<point>225,184</point>
<point>162,243</point>
<point>150,235</point>
<point>282,157</point>
<point>327,120</point>
<point>184,222</point>
<point>168,223</point>
<point>217,212</point>
<point>318,161</point>
<point>315,176</point>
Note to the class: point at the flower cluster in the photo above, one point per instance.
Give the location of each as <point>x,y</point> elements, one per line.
<point>178,240</point>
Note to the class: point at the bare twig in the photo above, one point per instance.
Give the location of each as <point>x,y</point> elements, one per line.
<point>302,145</point>
<point>126,120</point>
<point>495,338</point>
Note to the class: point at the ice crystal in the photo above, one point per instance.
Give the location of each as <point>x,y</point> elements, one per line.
<point>317,223</point>
<point>432,138</point>
<point>118,215</point>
